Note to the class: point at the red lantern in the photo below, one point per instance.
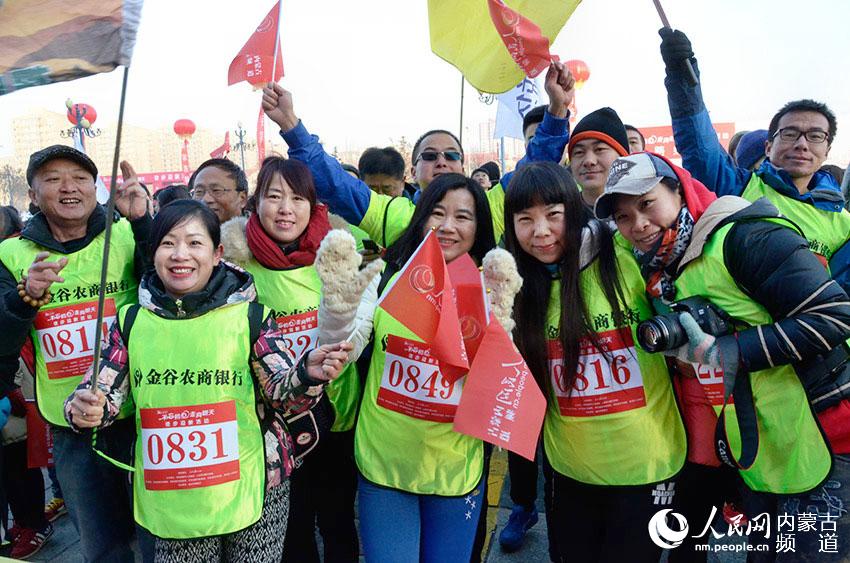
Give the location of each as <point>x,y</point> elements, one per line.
<point>580,71</point>
<point>184,128</point>
<point>80,112</point>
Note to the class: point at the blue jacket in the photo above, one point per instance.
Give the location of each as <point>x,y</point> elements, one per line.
<point>349,197</point>
<point>704,157</point>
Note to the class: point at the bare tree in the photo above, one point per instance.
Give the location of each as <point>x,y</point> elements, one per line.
<point>13,187</point>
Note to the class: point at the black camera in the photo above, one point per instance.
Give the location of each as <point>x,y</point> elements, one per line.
<point>665,332</point>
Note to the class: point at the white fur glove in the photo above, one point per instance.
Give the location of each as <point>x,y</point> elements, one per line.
<point>503,282</point>
<point>349,294</point>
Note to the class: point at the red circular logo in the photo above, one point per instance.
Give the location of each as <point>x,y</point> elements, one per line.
<point>422,278</point>
<point>470,328</point>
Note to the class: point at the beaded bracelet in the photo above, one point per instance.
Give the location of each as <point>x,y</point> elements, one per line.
<point>37,303</point>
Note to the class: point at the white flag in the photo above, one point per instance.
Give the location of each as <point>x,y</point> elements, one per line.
<point>102,194</point>
<point>514,104</point>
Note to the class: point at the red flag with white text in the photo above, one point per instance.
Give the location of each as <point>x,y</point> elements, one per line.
<point>421,298</point>
<point>501,403</point>
<point>472,303</point>
<point>256,62</point>
<point>526,44</point>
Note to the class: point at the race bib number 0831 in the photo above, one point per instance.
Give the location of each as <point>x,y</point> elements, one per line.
<point>66,336</point>
<point>601,385</point>
<point>413,385</point>
<point>189,447</point>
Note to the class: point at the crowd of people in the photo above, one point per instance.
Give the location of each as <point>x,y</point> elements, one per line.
<point>688,326</point>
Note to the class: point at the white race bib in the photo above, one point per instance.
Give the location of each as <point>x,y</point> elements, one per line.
<point>66,336</point>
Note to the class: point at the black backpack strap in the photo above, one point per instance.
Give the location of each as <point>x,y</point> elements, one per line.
<point>129,319</point>
<point>255,320</point>
<point>386,276</point>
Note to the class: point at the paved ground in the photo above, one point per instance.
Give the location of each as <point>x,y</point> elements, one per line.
<point>63,547</point>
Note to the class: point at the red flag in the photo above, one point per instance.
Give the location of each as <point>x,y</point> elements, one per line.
<point>471,299</point>
<point>421,298</point>
<point>501,403</point>
<point>224,149</point>
<point>525,42</point>
<point>256,62</point>
<point>184,156</point>
<point>261,136</point>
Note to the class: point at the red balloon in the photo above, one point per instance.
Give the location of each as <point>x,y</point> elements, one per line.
<point>184,128</point>
<point>83,111</point>
<point>580,71</point>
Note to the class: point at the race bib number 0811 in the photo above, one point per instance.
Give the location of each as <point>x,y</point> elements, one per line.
<point>66,336</point>
<point>601,385</point>
<point>189,447</point>
<point>413,385</point>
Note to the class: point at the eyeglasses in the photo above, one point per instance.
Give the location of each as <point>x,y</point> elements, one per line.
<point>431,156</point>
<point>791,134</point>
<point>199,193</point>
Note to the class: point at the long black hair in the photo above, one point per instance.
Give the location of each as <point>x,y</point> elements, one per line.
<point>401,250</point>
<point>546,183</point>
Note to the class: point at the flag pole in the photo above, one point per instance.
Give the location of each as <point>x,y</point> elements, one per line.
<point>107,235</point>
<point>692,76</point>
<point>277,39</point>
<point>460,135</point>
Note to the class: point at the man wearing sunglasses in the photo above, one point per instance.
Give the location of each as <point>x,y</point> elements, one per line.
<point>798,142</point>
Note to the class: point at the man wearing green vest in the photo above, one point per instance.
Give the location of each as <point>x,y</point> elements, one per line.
<point>49,286</point>
<point>799,138</point>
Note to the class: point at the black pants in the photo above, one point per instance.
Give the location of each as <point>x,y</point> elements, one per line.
<point>322,493</point>
<point>603,523</point>
<point>24,487</point>
<point>523,475</point>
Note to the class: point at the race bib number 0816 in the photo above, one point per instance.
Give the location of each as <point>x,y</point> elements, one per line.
<point>189,447</point>
<point>66,336</point>
<point>602,385</point>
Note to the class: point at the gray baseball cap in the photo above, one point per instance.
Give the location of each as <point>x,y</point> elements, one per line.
<point>635,174</point>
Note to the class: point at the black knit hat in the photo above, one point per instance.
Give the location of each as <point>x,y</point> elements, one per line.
<point>604,125</point>
<point>42,157</point>
<point>492,170</point>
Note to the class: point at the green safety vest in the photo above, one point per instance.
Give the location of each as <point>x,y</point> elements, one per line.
<point>199,457</point>
<point>793,456</point>
<point>404,437</point>
<point>63,330</point>
<point>826,231</point>
<point>618,424</point>
<point>293,295</point>
<point>387,217</point>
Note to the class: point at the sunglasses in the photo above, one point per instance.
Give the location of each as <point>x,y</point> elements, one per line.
<point>431,156</point>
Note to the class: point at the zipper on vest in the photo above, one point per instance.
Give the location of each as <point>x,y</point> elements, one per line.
<point>180,311</point>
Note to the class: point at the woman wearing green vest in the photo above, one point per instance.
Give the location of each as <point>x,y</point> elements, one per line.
<point>204,369</point>
<point>277,245</point>
<point>782,356</point>
<point>420,489</point>
<point>612,435</point>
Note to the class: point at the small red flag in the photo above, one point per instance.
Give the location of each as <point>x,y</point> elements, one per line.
<point>256,59</point>
<point>525,42</point>
<point>471,299</point>
<point>421,298</point>
<point>501,403</point>
<point>222,151</point>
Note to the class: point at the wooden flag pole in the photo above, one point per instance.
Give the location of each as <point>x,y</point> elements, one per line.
<point>692,76</point>
<point>107,235</point>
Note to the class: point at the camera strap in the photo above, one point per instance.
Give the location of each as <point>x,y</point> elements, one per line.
<point>736,385</point>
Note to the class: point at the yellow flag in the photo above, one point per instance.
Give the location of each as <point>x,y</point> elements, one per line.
<point>463,33</point>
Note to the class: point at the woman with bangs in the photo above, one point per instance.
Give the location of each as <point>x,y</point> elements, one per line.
<point>421,489</point>
<point>613,438</point>
<point>277,245</point>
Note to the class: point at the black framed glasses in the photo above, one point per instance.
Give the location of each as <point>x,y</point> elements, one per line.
<point>791,134</point>
<point>431,156</point>
<point>199,193</point>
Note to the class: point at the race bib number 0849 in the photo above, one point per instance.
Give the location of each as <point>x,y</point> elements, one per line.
<point>413,385</point>
<point>66,336</point>
<point>189,447</point>
<point>601,385</point>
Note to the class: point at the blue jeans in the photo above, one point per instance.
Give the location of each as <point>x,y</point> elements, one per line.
<point>400,527</point>
<point>832,498</point>
<point>97,497</point>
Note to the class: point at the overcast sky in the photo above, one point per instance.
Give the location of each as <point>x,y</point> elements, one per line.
<point>362,72</point>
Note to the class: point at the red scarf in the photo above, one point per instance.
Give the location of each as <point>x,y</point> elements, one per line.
<point>271,255</point>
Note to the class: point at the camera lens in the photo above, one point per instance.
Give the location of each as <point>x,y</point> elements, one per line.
<point>661,333</point>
